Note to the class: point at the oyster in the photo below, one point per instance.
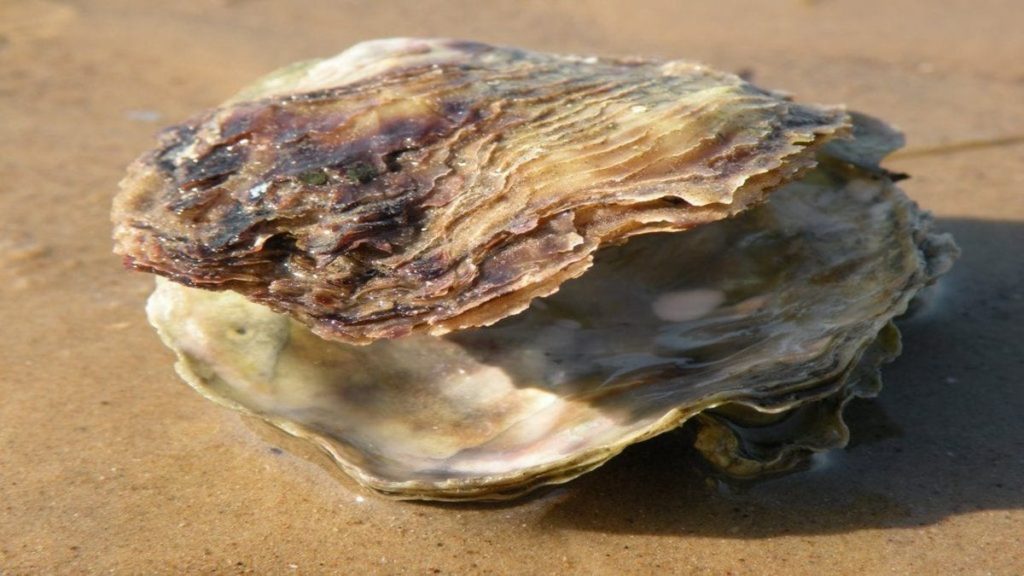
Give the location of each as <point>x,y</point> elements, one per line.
<point>377,229</point>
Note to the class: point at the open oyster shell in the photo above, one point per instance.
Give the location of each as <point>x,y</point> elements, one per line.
<point>425,186</point>
<point>434,190</point>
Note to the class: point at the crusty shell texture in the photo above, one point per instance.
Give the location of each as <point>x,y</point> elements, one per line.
<point>433,185</point>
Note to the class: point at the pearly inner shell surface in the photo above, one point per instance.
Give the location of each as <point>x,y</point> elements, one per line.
<point>776,316</point>
<point>424,186</point>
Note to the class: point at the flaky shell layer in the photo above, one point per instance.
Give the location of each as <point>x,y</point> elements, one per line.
<point>432,185</point>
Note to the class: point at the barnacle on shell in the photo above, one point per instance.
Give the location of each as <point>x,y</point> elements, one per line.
<point>427,208</point>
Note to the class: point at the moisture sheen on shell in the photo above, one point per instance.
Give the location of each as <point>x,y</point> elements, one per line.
<point>431,185</point>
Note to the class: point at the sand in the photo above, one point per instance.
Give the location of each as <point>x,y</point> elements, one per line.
<point>109,463</point>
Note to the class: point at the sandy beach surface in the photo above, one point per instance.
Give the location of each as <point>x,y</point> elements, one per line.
<point>110,464</point>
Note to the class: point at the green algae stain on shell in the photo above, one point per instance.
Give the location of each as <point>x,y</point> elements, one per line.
<point>430,185</point>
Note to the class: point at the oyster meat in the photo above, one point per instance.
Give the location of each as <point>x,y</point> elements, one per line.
<point>383,252</point>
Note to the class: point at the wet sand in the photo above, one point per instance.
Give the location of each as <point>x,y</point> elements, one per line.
<point>109,463</point>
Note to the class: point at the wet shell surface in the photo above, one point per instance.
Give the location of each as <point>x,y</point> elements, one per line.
<point>356,250</point>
